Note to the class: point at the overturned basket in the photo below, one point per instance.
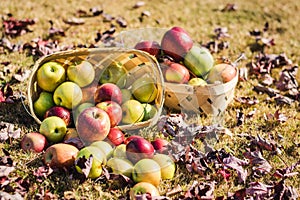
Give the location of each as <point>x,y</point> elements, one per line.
<point>137,63</point>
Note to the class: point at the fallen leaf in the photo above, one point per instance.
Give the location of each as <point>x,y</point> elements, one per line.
<point>260,165</point>
<point>7,130</point>
<point>22,74</point>
<point>247,100</point>
<point>229,7</point>
<point>84,164</point>
<point>138,4</point>
<point>74,21</point>
<point>14,27</point>
<point>5,171</point>
<point>8,196</point>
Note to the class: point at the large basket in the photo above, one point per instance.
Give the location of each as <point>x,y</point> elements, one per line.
<point>212,99</point>
<point>137,63</point>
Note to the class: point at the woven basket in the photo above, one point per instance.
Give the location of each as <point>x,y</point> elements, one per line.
<point>212,99</point>
<point>137,63</point>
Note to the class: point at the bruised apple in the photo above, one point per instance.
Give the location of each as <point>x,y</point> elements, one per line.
<point>60,155</point>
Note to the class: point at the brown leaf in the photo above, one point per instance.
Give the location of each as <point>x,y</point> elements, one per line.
<point>14,27</point>
<point>259,190</point>
<point>260,165</point>
<point>138,4</point>
<point>247,100</point>
<point>7,130</point>
<point>42,172</point>
<point>84,164</point>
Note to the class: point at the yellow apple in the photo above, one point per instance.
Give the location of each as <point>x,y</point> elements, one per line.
<point>120,166</point>
<point>133,112</point>
<point>167,165</point>
<point>144,89</point>
<point>67,94</point>
<point>50,75</point>
<point>82,73</point>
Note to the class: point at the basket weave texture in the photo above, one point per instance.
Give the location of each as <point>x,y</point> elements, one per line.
<point>137,63</point>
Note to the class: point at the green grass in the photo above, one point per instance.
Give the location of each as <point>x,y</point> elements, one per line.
<point>199,18</point>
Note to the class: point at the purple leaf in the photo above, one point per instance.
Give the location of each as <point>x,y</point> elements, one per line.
<point>7,130</point>
<point>260,165</point>
<point>85,164</point>
<point>259,190</point>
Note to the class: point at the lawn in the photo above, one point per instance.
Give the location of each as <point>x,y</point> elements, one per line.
<point>257,152</point>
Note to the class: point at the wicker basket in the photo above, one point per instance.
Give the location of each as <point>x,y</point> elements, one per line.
<point>137,64</point>
<point>212,99</point>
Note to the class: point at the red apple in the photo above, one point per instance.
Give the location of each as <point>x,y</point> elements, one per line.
<point>152,47</point>
<point>60,155</point>
<point>113,110</point>
<point>139,148</point>
<point>108,92</point>
<point>115,136</point>
<point>93,124</point>
<point>176,73</point>
<point>61,112</point>
<point>160,145</point>
<point>127,140</point>
<point>221,73</point>
<point>176,42</point>
<point>34,141</point>
<point>88,93</point>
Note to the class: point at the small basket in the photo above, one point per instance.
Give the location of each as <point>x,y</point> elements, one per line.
<point>137,63</point>
<point>212,99</point>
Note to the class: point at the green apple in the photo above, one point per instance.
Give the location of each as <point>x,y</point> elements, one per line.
<point>149,111</point>
<point>126,95</point>
<point>133,112</point>
<point>120,151</point>
<point>120,166</point>
<point>105,147</point>
<point>147,170</point>
<point>199,60</point>
<point>144,89</point>
<point>197,82</point>
<point>99,159</point>
<point>43,103</point>
<point>114,73</point>
<point>50,75</point>
<point>82,73</point>
<point>80,108</point>
<point>53,128</point>
<point>167,165</point>
<point>67,94</point>
<point>143,188</point>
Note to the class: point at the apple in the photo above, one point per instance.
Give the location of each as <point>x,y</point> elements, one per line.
<point>128,139</point>
<point>139,148</point>
<point>93,124</point>
<point>43,103</point>
<point>151,47</point>
<point>176,42</point>
<point>126,94</point>
<point>196,81</point>
<point>143,188</point>
<point>115,73</point>
<point>149,111</point>
<point>116,136</point>
<point>167,165</point>
<point>60,155</point>
<point>133,112</point>
<point>146,170</point>
<point>221,73</point>
<point>113,110</point>
<point>61,112</point>
<point>99,159</point>
<point>120,166</point>
<point>120,151</point>
<point>144,89</point>
<point>160,145</point>
<point>80,108</point>
<point>105,147</point>
<point>82,73</point>
<point>88,93</point>
<point>50,75</point>
<point>68,94</point>
<point>108,92</point>
<point>199,60</point>
<point>176,73</point>
<point>53,128</point>
<point>34,141</point>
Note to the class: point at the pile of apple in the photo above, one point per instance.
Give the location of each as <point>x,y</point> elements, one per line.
<point>186,62</point>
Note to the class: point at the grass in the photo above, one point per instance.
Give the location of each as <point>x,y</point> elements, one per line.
<point>199,18</point>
